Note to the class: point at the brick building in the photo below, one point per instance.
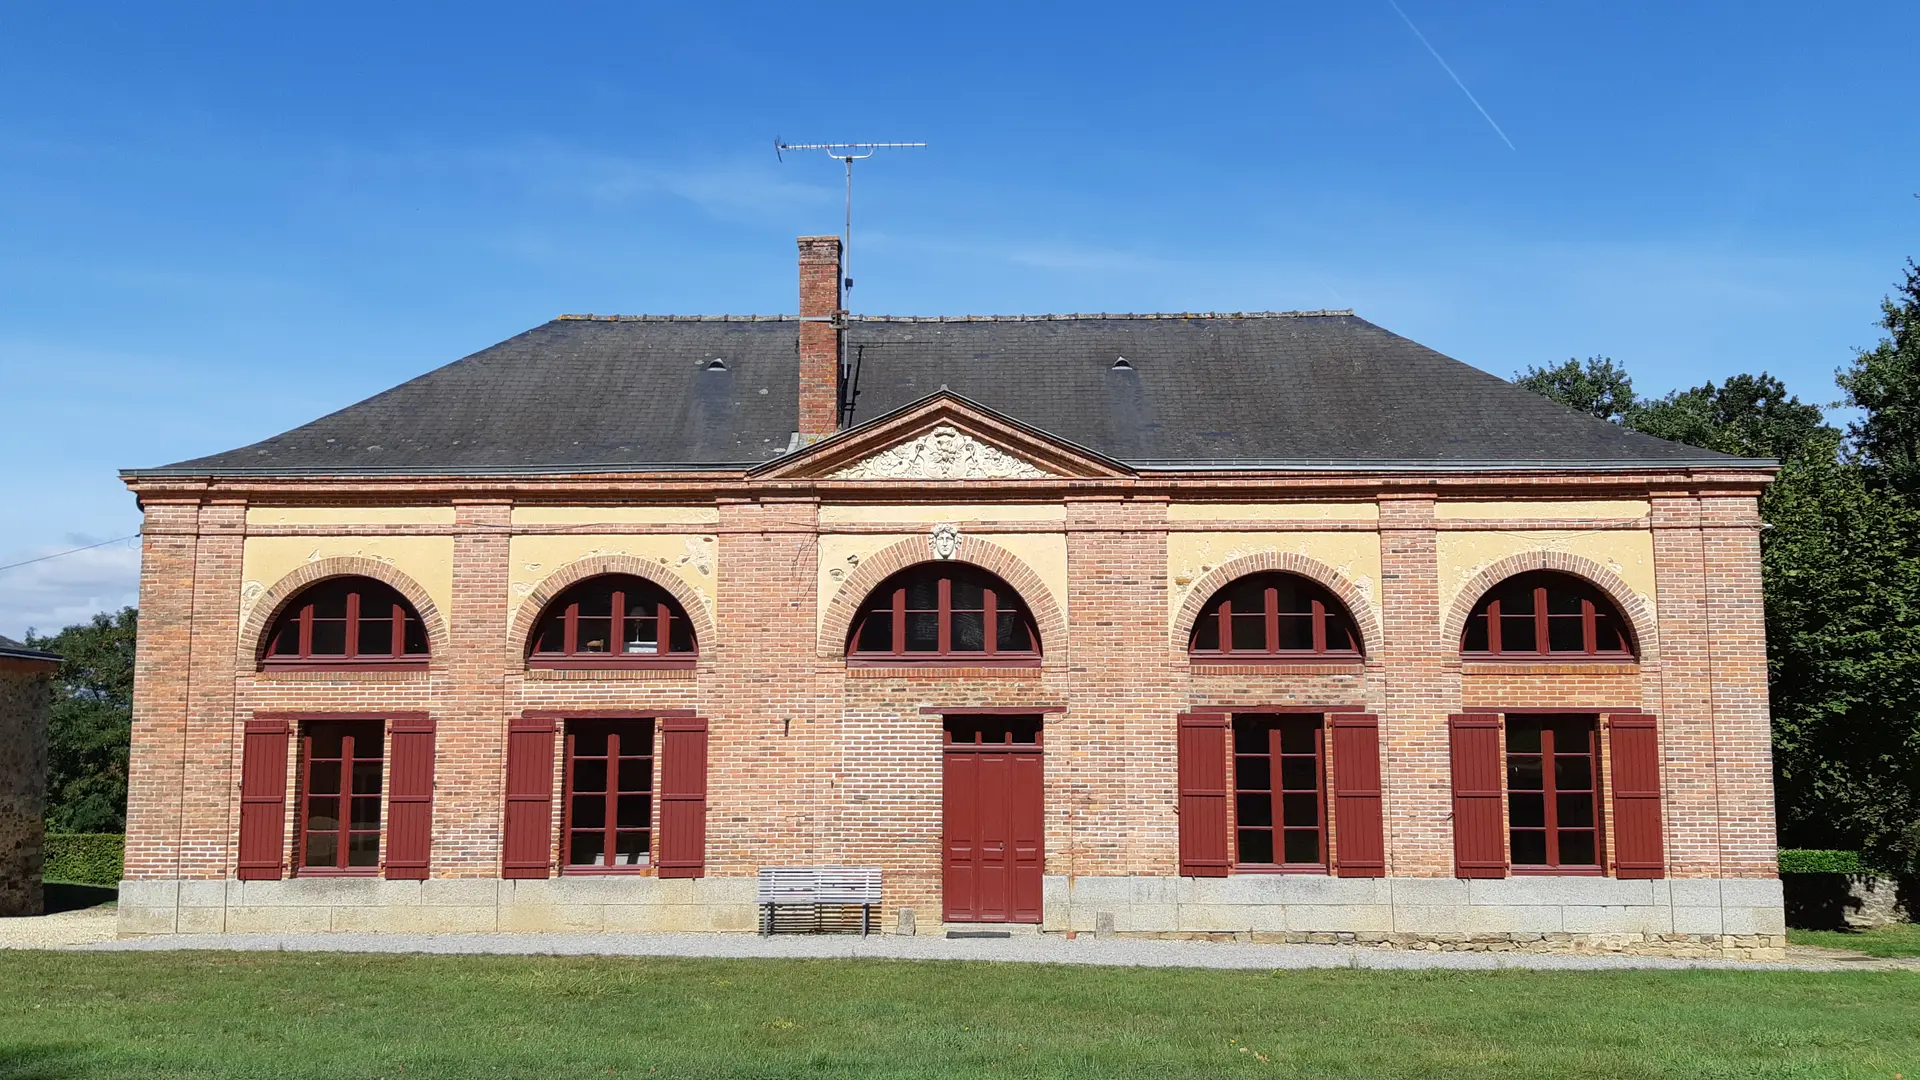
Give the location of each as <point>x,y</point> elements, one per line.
<point>26,688</point>
<point>1272,624</point>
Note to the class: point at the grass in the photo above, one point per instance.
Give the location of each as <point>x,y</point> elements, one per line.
<point>1898,939</point>
<point>220,1015</point>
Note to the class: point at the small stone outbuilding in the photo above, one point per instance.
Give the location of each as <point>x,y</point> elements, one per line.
<point>26,686</point>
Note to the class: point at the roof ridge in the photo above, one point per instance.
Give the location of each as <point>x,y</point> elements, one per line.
<point>1163,315</point>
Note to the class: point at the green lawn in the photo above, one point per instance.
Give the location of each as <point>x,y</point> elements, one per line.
<point>1899,939</point>
<point>292,1015</point>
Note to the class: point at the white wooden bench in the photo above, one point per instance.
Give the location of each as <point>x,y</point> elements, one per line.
<point>814,888</point>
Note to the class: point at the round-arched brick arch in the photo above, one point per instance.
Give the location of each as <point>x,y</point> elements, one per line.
<point>1646,634</point>
<point>267,609</point>
<point>1211,582</point>
<point>593,566</point>
<point>988,556</point>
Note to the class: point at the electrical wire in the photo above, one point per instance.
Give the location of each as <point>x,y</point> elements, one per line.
<point>72,551</point>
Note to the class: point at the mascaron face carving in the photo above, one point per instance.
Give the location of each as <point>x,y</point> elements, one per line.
<point>945,453</point>
<point>945,541</point>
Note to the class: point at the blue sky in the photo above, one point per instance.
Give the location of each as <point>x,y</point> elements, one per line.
<point>217,223</point>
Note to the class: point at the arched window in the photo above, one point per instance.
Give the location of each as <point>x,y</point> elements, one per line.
<point>347,622</point>
<point>1542,613</point>
<point>616,620</point>
<point>1273,615</point>
<point>944,613</point>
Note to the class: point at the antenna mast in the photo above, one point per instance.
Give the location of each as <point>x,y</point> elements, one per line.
<point>847,154</point>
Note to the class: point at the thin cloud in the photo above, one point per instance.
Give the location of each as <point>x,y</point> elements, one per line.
<point>1449,70</point>
<point>49,596</point>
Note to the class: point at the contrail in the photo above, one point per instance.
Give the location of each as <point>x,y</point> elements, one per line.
<point>1451,75</point>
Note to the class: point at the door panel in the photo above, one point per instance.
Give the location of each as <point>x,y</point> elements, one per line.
<point>995,845</point>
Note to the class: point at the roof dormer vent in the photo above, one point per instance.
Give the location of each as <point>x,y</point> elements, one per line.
<point>716,364</point>
<point>1122,364</point>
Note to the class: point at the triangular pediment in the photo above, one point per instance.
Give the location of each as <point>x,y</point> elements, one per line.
<point>942,438</point>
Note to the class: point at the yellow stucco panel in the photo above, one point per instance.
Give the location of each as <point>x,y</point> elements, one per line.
<point>887,513</point>
<point>1210,511</point>
<point>840,554</point>
<point>691,557</point>
<point>1462,555</point>
<point>1517,509</point>
<point>1191,555</point>
<point>427,560</point>
<point>616,515</point>
<point>349,515</point>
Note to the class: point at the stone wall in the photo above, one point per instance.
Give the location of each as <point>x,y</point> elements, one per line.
<point>25,690</point>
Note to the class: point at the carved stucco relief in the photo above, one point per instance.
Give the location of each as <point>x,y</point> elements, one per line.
<point>945,453</point>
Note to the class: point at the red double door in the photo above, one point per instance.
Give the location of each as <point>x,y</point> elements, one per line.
<point>993,819</point>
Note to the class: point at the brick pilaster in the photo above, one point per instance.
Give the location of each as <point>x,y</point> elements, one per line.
<point>472,713</point>
<point>210,795</point>
<point>1737,642</point>
<point>1693,811</point>
<point>156,765</point>
<point>1421,680</point>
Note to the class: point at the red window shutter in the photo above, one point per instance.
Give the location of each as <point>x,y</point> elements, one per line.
<point>263,800</point>
<point>683,796</point>
<point>1479,838</point>
<point>1635,764</point>
<point>1204,851</point>
<point>410,797</point>
<point>1356,796</point>
<point>527,836</point>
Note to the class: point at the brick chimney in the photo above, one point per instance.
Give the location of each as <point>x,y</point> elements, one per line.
<point>819,339</point>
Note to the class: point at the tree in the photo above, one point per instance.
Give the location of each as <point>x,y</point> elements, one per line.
<point>1599,387</point>
<point>90,725</point>
<point>1748,415</point>
<point>1885,382</point>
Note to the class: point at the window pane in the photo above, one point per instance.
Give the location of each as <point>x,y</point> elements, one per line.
<point>596,601</point>
<point>366,777</point>
<point>1529,847</point>
<point>330,602</point>
<point>969,631</point>
<point>288,642</point>
<point>1298,774</point>
<point>1476,639</point>
<point>1527,810</point>
<point>1524,773</point>
<point>1516,598</point>
<point>1301,809</point>
<point>1574,810</point>
<point>590,740</point>
<point>967,595</point>
<point>636,812</point>
<point>1517,634</point>
<point>416,637</point>
<point>324,778</point>
<point>1248,596</point>
<point>1010,632</point>
<point>876,634</point>
<point>376,636</point>
<point>590,775</point>
<point>1303,846</point>
<point>323,815</point>
<point>632,848</point>
<point>1297,738</point>
<point>1339,638</point>
<point>589,812</point>
<point>1573,773</point>
<point>636,774</point>
<point>592,635</point>
<point>366,812</point>
<point>923,631</point>
<point>1577,848</point>
<point>1252,774</point>
<point>1572,736</point>
<point>329,637</point>
<point>1255,810</point>
<point>1523,739</point>
<point>1250,633</point>
<point>1206,633</point>
<point>1291,597</point>
<point>323,848</point>
<point>1563,601</point>
<point>1566,633</point>
<point>679,634</point>
<point>586,849</point>
<point>1606,633</point>
<point>553,636</point>
<point>923,593</point>
<point>642,636</point>
<point>1250,738</point>
<point>1256,846</point>
<point>1296,632</point>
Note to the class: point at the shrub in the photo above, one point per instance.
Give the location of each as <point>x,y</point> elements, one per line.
<point>84,858</point>
<point>1810,861</point>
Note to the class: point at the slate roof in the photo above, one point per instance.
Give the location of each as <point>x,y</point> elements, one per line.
<point>604,393</point>
<point>14,650</point>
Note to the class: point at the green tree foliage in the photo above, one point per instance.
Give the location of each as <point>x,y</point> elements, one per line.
<point>1599,387</point>
<point>1885,382</point>
<point>91,723</point>
<point>1748,415</point>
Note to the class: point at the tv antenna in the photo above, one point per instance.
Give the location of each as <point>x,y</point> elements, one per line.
<point>847,153</point>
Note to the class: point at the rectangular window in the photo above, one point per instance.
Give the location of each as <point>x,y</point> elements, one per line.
<point>1553,802</point>
<point>340,774</point>
<point>607,825</point>
<point>1279,785</point>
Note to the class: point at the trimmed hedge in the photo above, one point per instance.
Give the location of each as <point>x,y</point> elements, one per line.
<point>1810,861</point>
<point>84,858</point>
